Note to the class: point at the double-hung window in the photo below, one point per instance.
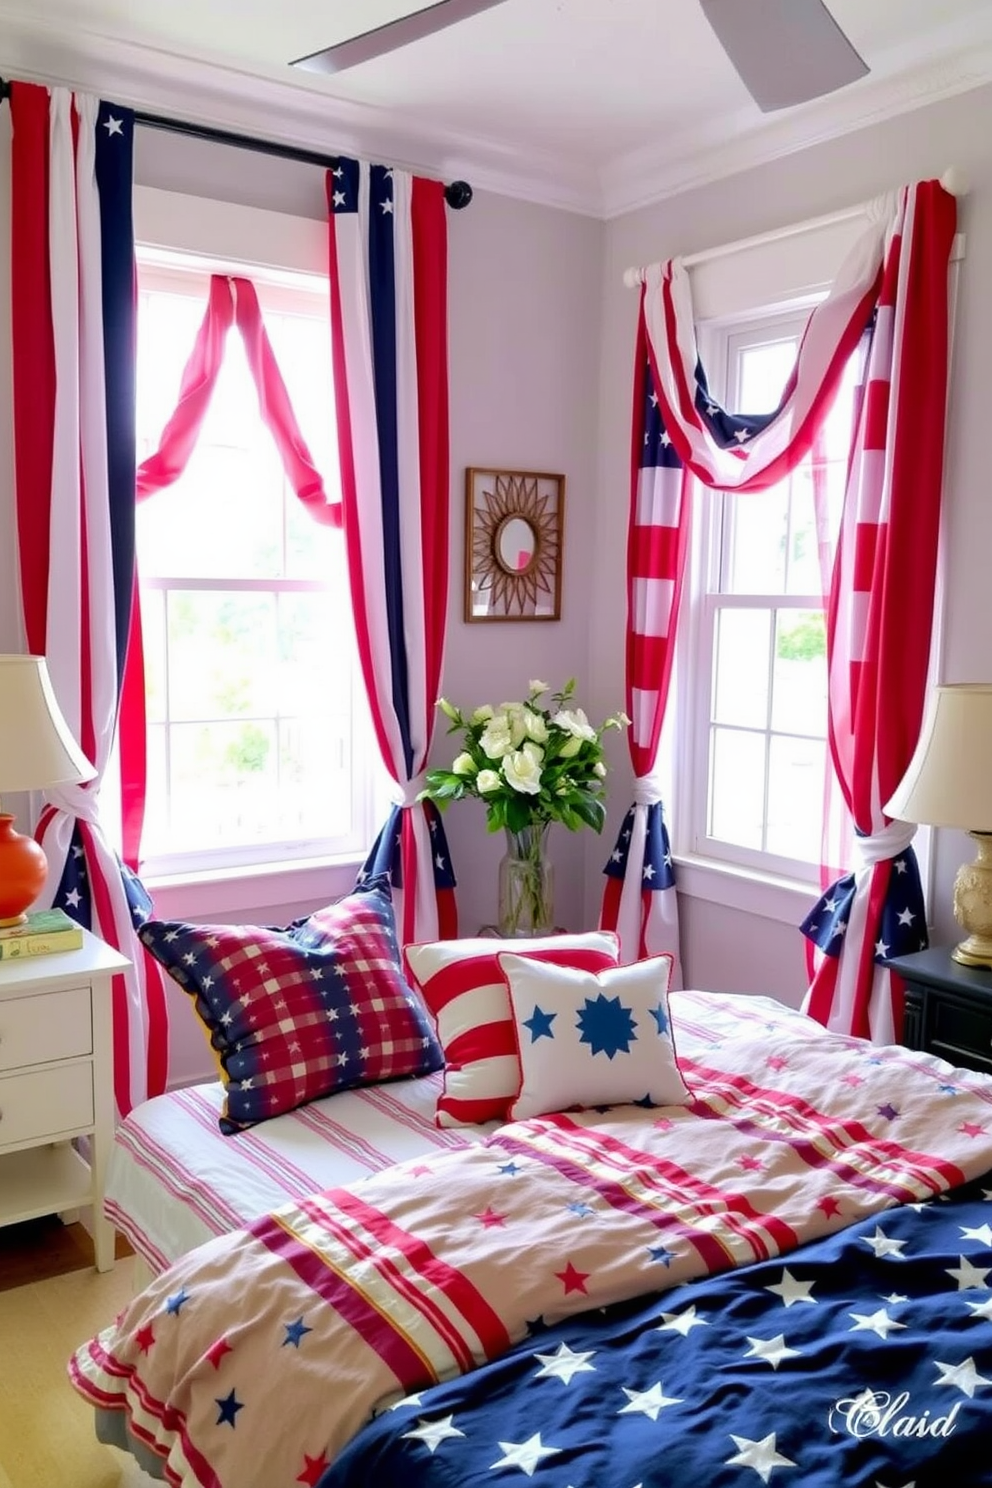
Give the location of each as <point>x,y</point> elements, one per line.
<point>753,722</point>
<point>259,742</point>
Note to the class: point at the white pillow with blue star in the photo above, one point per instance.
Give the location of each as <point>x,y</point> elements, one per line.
<point>592,1039</point>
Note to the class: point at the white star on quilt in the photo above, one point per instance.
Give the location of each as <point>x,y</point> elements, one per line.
<point>791,1290</point>
<point>433,1433</point>
<point>762,1455</point>
<point>647,1402</point>
<point>967,1276</point>
<point>526,1455</point>
<point>563,1364</point>
<point>883,1246</point>
<point>771,1350</point>
<point>965,1376</point>
<point>874,1322</point>
<point>407,1399</point>
<point>681,1322</point>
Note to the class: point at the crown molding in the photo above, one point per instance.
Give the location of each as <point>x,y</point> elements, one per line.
<point>644,177</point>
<point>298,111</point>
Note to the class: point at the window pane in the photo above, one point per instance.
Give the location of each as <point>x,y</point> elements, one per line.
<point>799,688</point>
<point>315,767</point>
<point>742,668</point>
<point>224,784</point>
<point>222,654</point>
<point>802,561</point>
<point>737,787</point>
<point>762,374</point>
<point>795,797</point>
<point>758,525</point>
<point>153,644</point>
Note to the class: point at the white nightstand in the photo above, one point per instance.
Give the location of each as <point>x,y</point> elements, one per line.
<point>56,1083</point>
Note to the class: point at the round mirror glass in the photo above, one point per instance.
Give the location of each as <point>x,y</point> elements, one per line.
<point>516,542</point>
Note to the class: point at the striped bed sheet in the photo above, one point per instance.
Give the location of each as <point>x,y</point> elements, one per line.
<point>174,1181</point>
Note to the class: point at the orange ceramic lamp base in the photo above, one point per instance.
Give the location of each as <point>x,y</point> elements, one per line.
<point>23,869</point>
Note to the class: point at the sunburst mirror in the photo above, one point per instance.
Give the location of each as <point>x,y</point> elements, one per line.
<point>513,541</point>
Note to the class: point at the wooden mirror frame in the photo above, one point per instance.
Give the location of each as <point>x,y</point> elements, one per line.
<point>494,590</point>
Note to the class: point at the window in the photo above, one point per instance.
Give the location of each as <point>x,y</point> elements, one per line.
<point>756,755</point>
<point>259,740</point>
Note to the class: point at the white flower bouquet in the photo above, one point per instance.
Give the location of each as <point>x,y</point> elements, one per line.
<point>531,764</point>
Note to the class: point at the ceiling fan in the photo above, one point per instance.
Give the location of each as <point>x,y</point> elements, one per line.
<point>786,51</point>
<point>419,21</point>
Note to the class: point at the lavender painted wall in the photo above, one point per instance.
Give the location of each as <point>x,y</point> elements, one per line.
<point>721,947</point>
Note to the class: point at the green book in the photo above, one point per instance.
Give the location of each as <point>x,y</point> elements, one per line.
<point>44,930</point>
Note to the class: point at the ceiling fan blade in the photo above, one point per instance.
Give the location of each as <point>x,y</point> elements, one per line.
<point>423,21</point>
<point>786,51</point>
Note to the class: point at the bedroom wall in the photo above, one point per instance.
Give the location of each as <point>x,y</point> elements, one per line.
<point>730,948</point>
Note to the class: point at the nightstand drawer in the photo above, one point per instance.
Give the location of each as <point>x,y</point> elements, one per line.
<point>44,1102</point>
<point>38,1030</point>
<point>960,1032</point>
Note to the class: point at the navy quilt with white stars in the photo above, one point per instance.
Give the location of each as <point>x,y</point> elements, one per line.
<point>864,1358</point>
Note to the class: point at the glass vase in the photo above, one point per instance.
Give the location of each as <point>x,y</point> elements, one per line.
<point>526,883</point>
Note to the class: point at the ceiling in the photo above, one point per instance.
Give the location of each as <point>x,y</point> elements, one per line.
<point>598,105</point>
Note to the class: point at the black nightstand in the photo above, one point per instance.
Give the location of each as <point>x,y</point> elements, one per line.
<point>948,1007</point>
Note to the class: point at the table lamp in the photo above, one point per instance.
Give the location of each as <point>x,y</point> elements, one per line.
<point>36,750</point>
<point>949,784</point>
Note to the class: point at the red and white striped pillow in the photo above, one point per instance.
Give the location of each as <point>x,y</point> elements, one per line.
<point>466,995</point>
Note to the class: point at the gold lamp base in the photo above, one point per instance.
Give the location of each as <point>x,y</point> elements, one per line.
<point>973,905</point>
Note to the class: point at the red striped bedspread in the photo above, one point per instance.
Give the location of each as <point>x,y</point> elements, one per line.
<point>256,1357</point>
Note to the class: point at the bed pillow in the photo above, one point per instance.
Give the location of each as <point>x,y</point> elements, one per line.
<point>297,1013</point>
<point>462,985</point>
<point>588,1039</point>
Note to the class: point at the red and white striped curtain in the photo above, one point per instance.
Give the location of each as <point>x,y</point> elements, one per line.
<point>73,337</point>
<point>640,901</point>
<point>231,301</point>
<point>894,281</point>
<point>388,274</point>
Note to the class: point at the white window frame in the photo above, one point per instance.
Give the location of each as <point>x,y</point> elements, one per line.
<point>719,341</point>
<point>180,241</point>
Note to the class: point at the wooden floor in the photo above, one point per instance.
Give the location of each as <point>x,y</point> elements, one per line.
<point>51,1300</point>
<point>42,1248</point>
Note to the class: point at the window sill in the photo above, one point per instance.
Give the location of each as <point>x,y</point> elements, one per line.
<point>785,900</point>
<point>253,887</point>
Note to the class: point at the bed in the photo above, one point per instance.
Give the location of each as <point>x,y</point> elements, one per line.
<point>783,1279</point>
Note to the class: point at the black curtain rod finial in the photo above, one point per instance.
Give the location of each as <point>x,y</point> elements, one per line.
<point>458,195</point>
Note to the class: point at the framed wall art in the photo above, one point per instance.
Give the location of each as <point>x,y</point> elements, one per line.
<point>513,544</point>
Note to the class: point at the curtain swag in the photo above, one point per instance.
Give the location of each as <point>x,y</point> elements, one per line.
<point>891,299</point>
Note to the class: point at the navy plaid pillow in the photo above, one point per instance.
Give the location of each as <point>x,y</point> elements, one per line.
<point>298,1013</point>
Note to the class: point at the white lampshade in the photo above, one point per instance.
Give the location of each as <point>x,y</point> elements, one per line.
<point>36,747</point>
<point>949,779</point>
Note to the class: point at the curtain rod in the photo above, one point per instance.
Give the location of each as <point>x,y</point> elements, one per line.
<point>952,180</point>
<point>457,194</point>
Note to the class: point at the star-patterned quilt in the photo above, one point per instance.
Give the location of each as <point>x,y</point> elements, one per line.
<point>866,1360</point>
<point>256,1358</point>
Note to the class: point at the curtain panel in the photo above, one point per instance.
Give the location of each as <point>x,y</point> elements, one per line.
<point>894,287</point>
<point>388,277</point>
<point>73,366</point>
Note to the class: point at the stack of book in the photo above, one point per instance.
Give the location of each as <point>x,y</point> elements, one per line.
<point>43,931</point>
